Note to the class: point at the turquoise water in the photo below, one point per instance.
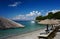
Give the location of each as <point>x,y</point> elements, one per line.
<point>29,27</point>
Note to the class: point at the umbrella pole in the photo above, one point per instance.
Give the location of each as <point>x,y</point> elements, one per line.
<point>52,26</point>
<point>47,27</point>
<point>47,31</point>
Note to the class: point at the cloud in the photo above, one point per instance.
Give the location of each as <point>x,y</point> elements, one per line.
<point>29,16</point>
<point>52,11</point>
<point>14,4</point>
<point>18,17</point>
<point>55,11</point>
<point>34,13</point>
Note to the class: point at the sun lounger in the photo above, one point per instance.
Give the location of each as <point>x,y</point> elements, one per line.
<point>49,35</point>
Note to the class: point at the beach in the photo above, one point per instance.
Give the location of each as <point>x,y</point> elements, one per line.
<point>31,35</point>
<point>22,32</point>
<point>57,35</point>
<point>29,19</point>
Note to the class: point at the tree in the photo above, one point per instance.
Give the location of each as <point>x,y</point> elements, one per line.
<point>50,15</point>
<point>39,18</point>
<point>57,15</point>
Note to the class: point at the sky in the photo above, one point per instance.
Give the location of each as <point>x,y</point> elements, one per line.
<point>27,9</point>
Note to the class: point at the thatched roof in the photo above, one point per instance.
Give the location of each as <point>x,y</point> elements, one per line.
<point>6,23</point>
<point>48,21</point>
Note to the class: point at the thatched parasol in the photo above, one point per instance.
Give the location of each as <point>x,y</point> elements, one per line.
<point>7,23</point>
<point>48,22</point>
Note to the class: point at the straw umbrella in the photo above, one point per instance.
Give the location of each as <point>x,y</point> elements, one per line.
<point>48,22</point>
<point>7,23</point>
<point>58,20</point>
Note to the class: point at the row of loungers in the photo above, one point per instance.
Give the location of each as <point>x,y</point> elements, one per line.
<point>49,35</point>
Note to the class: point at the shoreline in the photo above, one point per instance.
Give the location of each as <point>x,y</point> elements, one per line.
<point>27,35</point>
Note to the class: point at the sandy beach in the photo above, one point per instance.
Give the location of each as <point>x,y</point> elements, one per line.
<point>31,35</point>
<point>57,35</point>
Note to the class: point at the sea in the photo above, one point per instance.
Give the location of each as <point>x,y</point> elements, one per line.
<point>29,26</point>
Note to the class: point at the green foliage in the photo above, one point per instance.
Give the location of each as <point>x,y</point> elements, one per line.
<point>50,15</point>
<point>39,18</point>
<point>57,15</point>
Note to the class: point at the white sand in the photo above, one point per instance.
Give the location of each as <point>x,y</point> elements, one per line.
<point>57,35</point>
<point>31,35</point>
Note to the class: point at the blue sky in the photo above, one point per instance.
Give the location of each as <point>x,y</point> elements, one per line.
<point>27,9</point>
